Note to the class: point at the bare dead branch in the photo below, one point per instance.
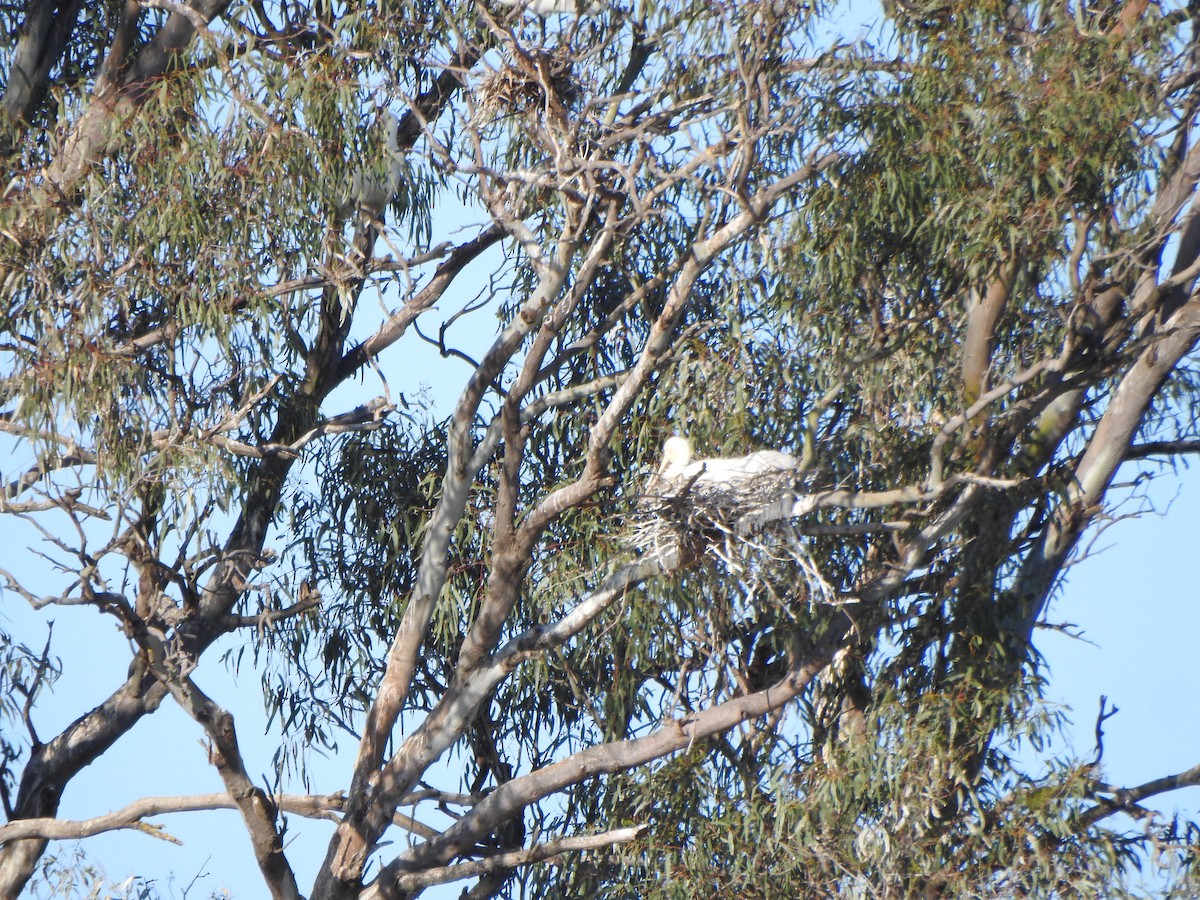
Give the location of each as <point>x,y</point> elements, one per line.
<point>40,601</point>
<point>399,321</point>
<point>131,815</point>
<point>1127,799</point>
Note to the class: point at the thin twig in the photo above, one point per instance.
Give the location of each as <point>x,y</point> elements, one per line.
<point>514,858</point>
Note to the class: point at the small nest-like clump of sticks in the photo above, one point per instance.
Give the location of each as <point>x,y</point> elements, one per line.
<point>533,82</point>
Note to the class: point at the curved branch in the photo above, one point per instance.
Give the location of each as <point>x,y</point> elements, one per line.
<point>393,329</point>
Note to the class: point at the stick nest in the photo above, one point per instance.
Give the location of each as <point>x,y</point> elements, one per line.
<point>531,83</point>
<point>677,520</point>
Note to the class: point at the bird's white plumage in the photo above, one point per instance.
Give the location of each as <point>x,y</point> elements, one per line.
<point>678,471</point>
<point>545,8</point>
<point>740,470</point>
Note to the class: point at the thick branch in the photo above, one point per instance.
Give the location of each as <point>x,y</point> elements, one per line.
<point>1107,449</point>
<point>119,93</point>
<point>514,546</point>
<point>982,318</point>
<point>55,763</point>
<point>43,39</point>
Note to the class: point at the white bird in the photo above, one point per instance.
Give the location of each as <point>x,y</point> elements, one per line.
<point>544,8</point>
<point>678,472</point>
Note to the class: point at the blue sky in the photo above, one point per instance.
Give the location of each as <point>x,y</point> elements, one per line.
<point>1136,604</point>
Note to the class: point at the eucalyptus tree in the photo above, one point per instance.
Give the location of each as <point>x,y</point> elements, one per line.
<point>947,263</point>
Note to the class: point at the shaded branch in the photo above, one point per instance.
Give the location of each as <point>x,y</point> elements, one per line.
<point>1162,448</point>
<point>43,39</point>
<point>268,617</point>
<point>257,809</point>
<point>393,329</point>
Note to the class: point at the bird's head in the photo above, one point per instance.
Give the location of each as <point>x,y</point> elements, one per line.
<point>677,453</point>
